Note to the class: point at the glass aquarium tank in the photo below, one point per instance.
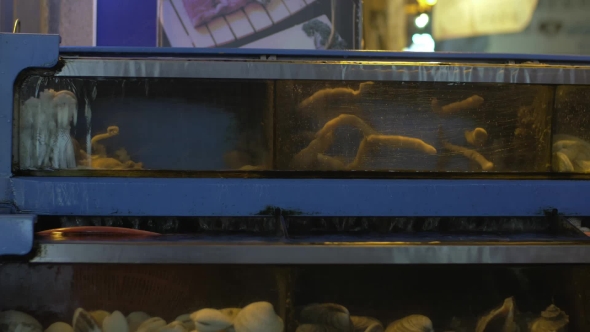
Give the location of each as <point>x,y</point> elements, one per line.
<point>286,125</point>
<point>318,274</point>
<point>179,298</point>
<point>263,116</point>
<point>135,124</point>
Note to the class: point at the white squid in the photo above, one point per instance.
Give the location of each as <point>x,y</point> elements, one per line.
<point>65,106</point>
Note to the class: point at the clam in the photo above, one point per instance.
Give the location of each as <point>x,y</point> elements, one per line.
<point>12,321</point>
<point>412,323</point>
<point>99,316</point>
<point>210,320</point>
<point>186,321</point>
<point>59,327</point>
<point>175,326</point>
<point>562,163</point>
<point>115,322</point>
<point>329,314</point>
<point>231,312</point>
<point>499,319</point>
<point>151,325</point>
<point>366,324</point>
<point>83,322</point>
<point>135,319</point>
<point>551,320</point>
<point>258,317</point>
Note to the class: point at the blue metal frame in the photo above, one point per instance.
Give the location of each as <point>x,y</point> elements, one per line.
<point>245,197</point>
<point>16,234</point>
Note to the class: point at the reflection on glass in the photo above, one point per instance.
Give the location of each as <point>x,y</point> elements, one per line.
<point>407,126</point>
<point>156,124</point>
<point>571,141</point>
<point>175,298</point>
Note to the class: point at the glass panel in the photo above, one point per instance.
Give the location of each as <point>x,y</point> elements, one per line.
<point>299,298</point>
<point>571,140</point>
<point>155,124</point>
<point>405,126</point>
<point>216,125</point>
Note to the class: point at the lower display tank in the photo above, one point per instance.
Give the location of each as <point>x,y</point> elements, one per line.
<point>276,298</point>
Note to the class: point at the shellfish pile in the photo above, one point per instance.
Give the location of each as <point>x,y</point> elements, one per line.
<point>331,317</point>
<point>506,318</point>
<point>261,317</point>
<point>255,317</point>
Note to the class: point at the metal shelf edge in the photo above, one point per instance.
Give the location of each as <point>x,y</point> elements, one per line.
<point>282,253</point>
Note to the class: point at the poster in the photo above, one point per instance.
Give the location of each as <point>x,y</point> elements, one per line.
<point>279,24</point>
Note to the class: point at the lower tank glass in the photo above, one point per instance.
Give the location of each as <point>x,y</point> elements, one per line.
<point>179,298</point>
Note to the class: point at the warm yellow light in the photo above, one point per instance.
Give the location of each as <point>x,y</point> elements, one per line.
<point>427,3</point>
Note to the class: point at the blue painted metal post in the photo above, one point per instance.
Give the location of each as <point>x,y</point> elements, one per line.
<point>17,53</point>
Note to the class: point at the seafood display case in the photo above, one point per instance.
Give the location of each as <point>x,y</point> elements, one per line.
<point>180,190</point>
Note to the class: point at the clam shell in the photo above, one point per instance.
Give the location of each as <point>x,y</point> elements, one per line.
<point>12,320</point>
<point>210,320</point>
<point>115,322</point>
<point>552,319</point>
<point>503,315</point>
<point>186,321</point>
<point>366,324</point>
<point>99,316</point>
<point>135,319</point>
<point>175,326</point>
<point>412,323</point>
<point>551,312</point>
<point>258,317</point>
<point>59,327</point>
<point>84,322</point>
<point>329,314</point>
<point>231,312</point>
<point>562,162</point>
<point>151,325</point>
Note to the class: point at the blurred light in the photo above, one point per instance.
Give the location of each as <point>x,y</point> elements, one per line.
<point>421,20</point>
<point>421,42</point>
<point>427,2</point>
